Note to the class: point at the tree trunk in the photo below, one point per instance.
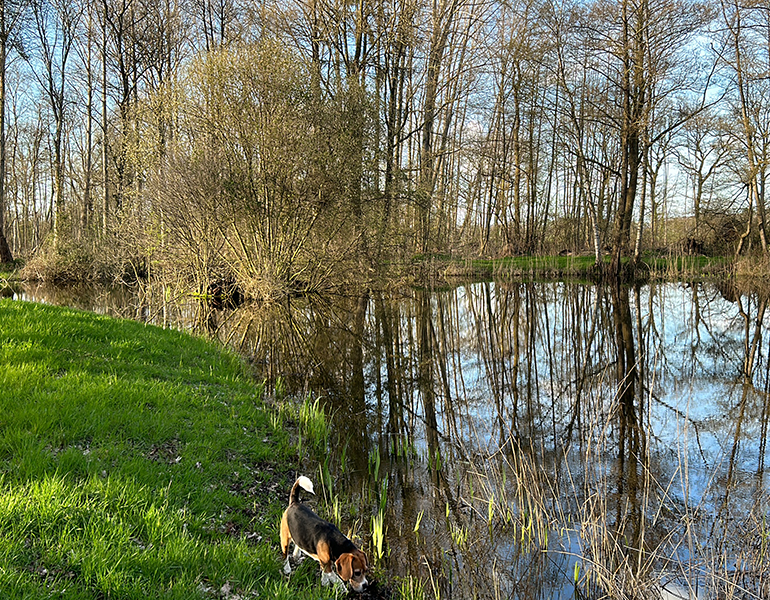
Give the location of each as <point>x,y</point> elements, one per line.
<point>87,208</point>
<point>634,93</point>
<point>105,155</point>
<point>735,27</point>
<point>442,25</point>
<point>640,229</point>
<point>5,251</point>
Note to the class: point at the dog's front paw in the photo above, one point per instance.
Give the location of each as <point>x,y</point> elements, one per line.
<point>287,567</point>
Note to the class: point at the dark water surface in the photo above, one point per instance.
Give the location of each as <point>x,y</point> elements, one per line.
<point>515,438</point>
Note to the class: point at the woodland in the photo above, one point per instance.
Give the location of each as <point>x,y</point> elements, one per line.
<point>294,145</point>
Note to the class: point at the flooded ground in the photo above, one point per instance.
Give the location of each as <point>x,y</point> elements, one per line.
<point>526,440</point>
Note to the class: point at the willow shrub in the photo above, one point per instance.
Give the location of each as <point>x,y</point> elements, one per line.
<point>254,184</point>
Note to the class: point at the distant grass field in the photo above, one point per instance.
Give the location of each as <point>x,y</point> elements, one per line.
<point>558,267</point>
<point>137,462</point>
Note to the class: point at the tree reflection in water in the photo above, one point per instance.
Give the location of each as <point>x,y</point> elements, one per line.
<point>539,433</point>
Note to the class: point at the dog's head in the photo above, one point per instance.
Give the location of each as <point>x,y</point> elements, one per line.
<point>352,567</point>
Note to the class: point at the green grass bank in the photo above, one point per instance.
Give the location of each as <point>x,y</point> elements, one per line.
<point>649,268</point>
<point>137,462</point>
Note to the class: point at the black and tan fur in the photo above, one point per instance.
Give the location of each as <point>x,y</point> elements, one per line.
<point>320,540</point>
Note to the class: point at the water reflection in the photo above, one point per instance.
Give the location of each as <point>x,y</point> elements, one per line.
<point>538,433</point>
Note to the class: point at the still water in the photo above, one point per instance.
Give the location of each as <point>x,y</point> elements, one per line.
<point>525,440</point>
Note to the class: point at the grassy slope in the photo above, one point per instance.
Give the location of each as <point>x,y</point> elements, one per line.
<point>136,463</point>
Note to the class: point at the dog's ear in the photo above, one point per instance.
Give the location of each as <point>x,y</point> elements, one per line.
<point>345,566</point>
<point>362,557</point>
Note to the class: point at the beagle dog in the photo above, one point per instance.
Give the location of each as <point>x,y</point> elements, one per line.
<point>320,540</point>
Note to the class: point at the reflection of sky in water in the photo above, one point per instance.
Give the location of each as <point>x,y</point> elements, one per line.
<point>701,379</point>
<point>692,375</point>
<point>691,352</point>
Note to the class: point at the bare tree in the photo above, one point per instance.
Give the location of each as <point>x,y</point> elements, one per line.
<point>56,24</point>
<point>11,13</point>
<point>85,48</point>
<point>518,54</point>
<point>443,21</point>
<point>395,42</point>
<point>219,22</point>
<point>746,54</point>
<point>637,47</point>
<point>702,151</point>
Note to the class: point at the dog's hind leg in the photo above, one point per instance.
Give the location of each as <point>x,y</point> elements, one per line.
<point>285,539</point>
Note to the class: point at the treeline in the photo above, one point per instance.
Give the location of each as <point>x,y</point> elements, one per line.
<point>288,145</point>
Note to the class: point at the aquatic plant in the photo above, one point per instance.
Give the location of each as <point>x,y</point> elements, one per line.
<point>374,463</point>
<point>378,534</point>
<point>411,588</point>
<point>418,521</point>
<point>314,424</point>
<point>459,534</point>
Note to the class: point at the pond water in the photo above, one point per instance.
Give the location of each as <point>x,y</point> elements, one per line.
<point>525,440</point>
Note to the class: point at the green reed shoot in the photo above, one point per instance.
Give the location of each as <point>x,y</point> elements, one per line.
<point>383,494</point>
<point>374,463</point>
<point>378,534</point>
<point>280,388</point>
<point>435,462</point>
<point>336,512</point>
<point>459,534</point>
<point>405,449</point>
<point>277,420</point>
<point>411,588</point>
<point>419,520</point>
<point>314,424</point>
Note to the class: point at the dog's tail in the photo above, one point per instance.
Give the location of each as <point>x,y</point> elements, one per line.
<point>302,482</point>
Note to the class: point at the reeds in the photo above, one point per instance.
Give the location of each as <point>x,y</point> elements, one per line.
<point>411,588</point>
<point>312,424</point>
<point>601,526</point>
<point>378,535</point>
<point>614,527</point>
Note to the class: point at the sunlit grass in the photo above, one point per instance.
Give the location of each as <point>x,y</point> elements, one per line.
<point>136,463</point>
<point>107,535</point>
<point>583,266</point>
